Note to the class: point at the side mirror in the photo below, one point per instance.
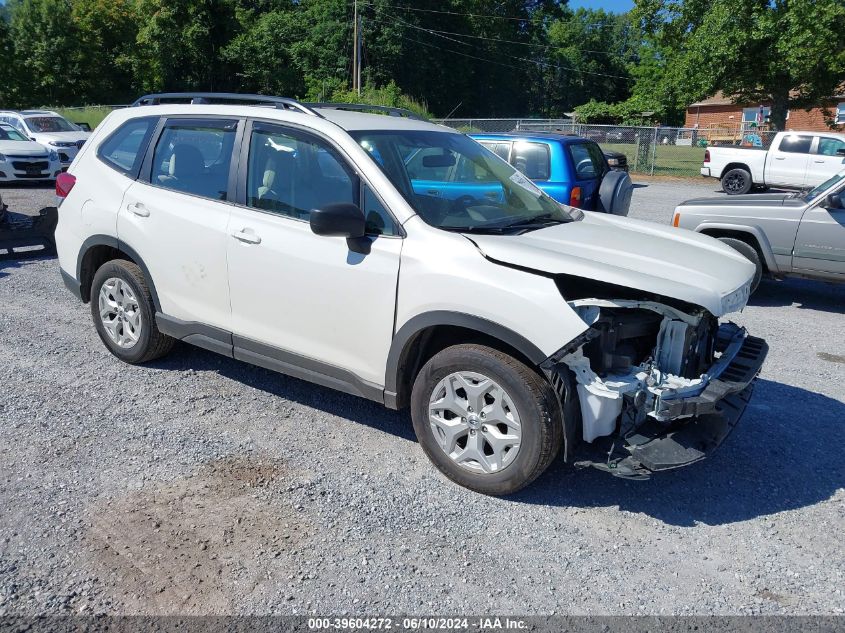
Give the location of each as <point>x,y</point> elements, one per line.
<point>83,126</point>
<point>339,220</point>
<point>833,201</point>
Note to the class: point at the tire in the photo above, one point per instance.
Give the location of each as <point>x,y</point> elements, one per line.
<point>522,396</point>
<point>737,181</point>
<point>750,253</point>
<point>135,306</point>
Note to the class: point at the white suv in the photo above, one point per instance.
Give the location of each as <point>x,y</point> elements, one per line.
<point>298,238</point>
<point>50,129</point>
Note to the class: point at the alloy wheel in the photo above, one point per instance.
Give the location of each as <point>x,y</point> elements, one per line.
<point>475,422</point>
<point>120,312</point>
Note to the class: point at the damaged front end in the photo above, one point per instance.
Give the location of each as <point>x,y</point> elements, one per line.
<point>658,384</point>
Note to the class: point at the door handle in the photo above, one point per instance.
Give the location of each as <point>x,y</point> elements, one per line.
<point>818,161</point>
<point>433,192</point>
<point>138,209</point>
<point>780,157</point>
<point>247,236</point>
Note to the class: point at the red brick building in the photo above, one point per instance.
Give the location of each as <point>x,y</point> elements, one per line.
<point>719,111</point>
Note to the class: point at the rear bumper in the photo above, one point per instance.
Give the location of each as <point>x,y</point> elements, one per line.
<point>705,171</point>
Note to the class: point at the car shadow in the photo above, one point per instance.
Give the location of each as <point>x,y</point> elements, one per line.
<point>778,459</point>
<point>18,259</point>
<point>356,409</point>
<point>804,293</point>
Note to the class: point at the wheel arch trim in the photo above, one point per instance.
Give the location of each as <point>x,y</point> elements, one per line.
<point>408,333</point>
<point>113,242</point>
<point>755,231</point>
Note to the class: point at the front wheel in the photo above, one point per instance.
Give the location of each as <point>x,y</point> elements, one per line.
<point>750,253</point>
<point>737,181</point>
<point>485,419</point>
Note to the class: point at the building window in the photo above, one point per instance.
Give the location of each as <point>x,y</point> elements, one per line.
<point>758,116</point>
<point>840,113</point>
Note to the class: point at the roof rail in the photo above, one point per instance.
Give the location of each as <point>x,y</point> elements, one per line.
<point>363,107</point>
<point>282,103</point>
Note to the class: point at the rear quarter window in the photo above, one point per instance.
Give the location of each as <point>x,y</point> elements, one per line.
<point>124,149</point>
<point>532,159</point>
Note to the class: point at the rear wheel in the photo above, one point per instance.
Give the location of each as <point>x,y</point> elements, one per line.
<point>751,254</point>
<point>485,419</point>
<point>737,181</point>
<point>124,314</point>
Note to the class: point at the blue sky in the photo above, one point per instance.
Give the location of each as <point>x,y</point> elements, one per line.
<point>616,6</point>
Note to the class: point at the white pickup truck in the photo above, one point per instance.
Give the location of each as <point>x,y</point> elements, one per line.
<point>795,160</point>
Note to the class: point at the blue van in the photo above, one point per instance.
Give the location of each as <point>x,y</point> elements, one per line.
<point>571,169</point>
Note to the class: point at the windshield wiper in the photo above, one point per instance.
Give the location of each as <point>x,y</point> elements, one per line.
<point>537,222</point>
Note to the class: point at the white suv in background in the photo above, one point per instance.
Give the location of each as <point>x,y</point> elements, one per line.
<point>297,238</point>
<point>50,129</point>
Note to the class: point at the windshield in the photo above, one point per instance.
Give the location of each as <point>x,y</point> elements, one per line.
<point>827,184</point>
<point>49,124</point>
<point>455,184</point>
<point>11,134</point>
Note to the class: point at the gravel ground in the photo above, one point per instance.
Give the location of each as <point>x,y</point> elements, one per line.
<point>199,484</point>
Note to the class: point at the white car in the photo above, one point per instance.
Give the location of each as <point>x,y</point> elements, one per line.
<point>795,160</point>
<point>49,129</point>
<point>22,159</point>
<point>294,237</point>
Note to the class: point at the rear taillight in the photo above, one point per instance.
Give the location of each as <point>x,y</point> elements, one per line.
<point>64,183</point>
<point>707,156</point>
<point>575,197</point>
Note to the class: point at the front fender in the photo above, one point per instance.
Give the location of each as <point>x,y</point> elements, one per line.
<point>754,230</point>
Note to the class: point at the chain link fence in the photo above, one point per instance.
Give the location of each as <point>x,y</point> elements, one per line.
<point>650,150</point>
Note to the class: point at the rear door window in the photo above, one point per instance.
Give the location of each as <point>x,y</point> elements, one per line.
<point>194,156</point>
<point>124,149</point>
<point>588,160</point>
<point>795,144</point>
<point>532,159</point>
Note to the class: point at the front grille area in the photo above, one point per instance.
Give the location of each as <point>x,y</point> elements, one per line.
<point>64,157</point>
<point>20,165</point>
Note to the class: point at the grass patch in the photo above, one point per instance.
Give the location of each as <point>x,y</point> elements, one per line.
<point>670,160</point>
<point>92,115</point>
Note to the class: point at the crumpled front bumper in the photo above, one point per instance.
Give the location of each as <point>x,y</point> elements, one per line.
<point>686,429</point>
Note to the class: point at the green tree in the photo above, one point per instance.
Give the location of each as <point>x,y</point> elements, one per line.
<point>262,52</point>
<point>106,31</point>
<point>788,52</point>
<point>590,53</point>
<point>8,81</point>
<point>47,47</point>
<point>179,45</point>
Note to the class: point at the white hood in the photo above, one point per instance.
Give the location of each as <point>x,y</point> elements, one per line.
<point>657,259</point>
<point>22,148</point>
<point>63,137</point>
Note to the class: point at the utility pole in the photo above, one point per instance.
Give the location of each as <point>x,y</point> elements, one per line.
<point>360,46</point>
<point>355,46</point>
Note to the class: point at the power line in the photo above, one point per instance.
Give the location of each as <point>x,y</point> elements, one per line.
<point>471,15</point>
<point>525,59</point>
<point>493,39</point>
<point>522,59</point>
